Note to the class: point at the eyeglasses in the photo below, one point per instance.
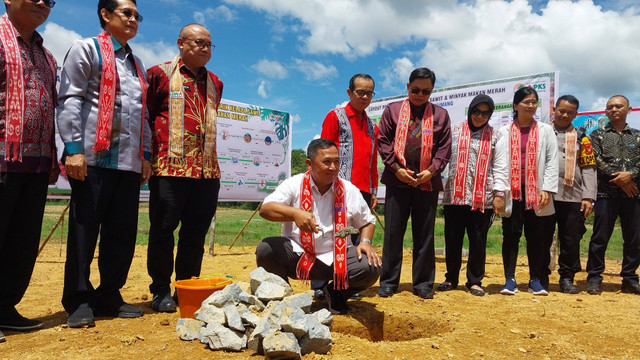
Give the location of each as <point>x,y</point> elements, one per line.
<point>529,103</point>
<point>129,14</point>
<point>484,114</point>
<point>49,3</point>
<point>416,91</point>
<point>202,44</point>
<point>362,93</point>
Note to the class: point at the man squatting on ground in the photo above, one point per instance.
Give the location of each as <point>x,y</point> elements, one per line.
<point>27,150</point>
<point>313,206</point>
<point>576,189</point>
<point>183,101</point>
<point>357,138</point>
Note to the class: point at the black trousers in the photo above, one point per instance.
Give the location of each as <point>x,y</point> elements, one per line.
<point>355,240</point>
<point>174,200</point>
<point>457,219</point>
<point>276,255</point>
<point>22,201</point>
<point>538,231</point>
<point>105,203</point>
<point>421,205</point>
<point>571,227</point>
<point>606,212</point>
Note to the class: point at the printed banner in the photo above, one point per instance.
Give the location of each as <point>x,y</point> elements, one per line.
<point>254,152</point>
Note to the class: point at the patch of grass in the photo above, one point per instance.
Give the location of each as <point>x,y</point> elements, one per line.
<point>229,221</point>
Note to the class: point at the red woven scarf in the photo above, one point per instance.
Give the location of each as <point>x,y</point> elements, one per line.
<point>15,100</point>
<point>307,240</point>
<point>427,138</point>
<point>531,165</point>
<point>107,95</point>
<point>482,167</point>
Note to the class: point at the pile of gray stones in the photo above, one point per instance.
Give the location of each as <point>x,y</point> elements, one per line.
<point>264,316</point>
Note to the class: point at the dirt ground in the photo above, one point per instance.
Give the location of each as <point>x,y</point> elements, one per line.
<point>454,325</point>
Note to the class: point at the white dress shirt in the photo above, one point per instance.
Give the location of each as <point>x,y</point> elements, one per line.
<point>358,213</point>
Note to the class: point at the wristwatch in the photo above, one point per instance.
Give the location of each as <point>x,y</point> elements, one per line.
<point>366,240</point>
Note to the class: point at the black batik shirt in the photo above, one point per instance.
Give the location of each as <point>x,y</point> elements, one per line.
<point>616,152</point>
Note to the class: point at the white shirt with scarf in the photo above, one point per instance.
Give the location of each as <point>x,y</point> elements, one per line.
<point>358,213</point>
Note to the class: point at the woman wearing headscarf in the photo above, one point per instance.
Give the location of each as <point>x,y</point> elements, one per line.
<point>468,194</point>
<point>527,178</point>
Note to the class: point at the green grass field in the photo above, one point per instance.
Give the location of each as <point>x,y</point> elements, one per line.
<point>229,221</point>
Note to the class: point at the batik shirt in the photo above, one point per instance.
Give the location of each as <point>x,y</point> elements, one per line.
<point>40,93</point>
<point>195,104</point>
<point>616,152</point>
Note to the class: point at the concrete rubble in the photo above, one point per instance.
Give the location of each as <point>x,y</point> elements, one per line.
<point>264,316</point>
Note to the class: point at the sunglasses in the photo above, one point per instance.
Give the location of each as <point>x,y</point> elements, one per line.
<point>130,14</point>
<point>418,90</point>
<point>48,3</point>
<point>484,114</point>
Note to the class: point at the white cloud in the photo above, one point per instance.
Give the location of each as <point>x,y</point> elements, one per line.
<point>262,88</point>
<point>270,68</point>
<point>221,13</point>
<point>315,70</point>
<point>396,76</point>
<point>595,47</point>
<point>154,53</point>
<point>58,40</point>
<point>295,118</point>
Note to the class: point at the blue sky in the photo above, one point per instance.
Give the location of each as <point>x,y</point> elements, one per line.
<point>298,55</point>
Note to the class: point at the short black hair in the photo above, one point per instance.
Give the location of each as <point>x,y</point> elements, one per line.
<point>570,99</point>
<point>108,5</point>
<point>422,73</point>
<point>622,96</point>
<point>519,95</point>
<point>352,81</point>
<point>315,145</point>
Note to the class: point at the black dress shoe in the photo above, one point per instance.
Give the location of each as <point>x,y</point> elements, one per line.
<point>593,288</point>
<point>426,293</point>
<point>82,316</point>
<point>335,301</point>
<point>2,338</point>
<point>385,292</point>
<point>476,291</point>
<point>163,303</point>
<point>356,296</point>
<point>12,320</point>
<point>318,294</point>
<point>124,311</point>
<point>567,287</point>
<point>631,288</point>
<point>446,286</point>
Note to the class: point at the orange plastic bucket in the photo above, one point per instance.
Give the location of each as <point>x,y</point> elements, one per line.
<point>192,292</point>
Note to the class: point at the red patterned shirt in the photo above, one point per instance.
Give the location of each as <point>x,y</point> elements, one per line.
<point>40,97</point>
<point>195,104</point>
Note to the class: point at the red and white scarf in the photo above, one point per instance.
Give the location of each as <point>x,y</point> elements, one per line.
<point>15,100</point>
<point>482,167</point>
<point>531,165</point>
<point>427,138</point>
<point>570,153</point>
<point>106,99</point>
<point>307,240</point>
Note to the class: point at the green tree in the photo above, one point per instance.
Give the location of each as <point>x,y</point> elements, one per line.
<point>298,164</point>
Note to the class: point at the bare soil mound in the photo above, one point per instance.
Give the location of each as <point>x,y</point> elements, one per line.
<point>454,325</point>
